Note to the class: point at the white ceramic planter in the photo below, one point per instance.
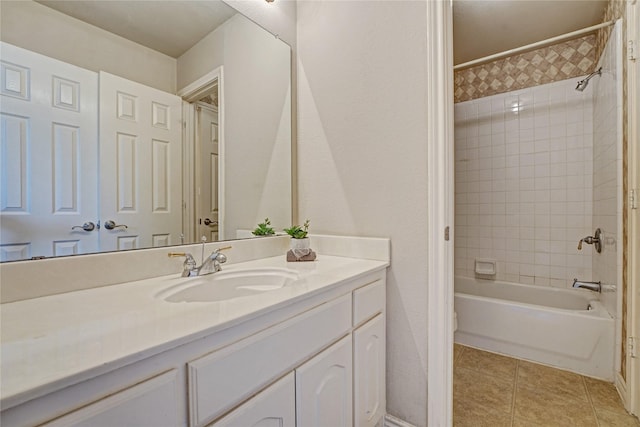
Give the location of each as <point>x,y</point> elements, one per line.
<point>301,247</point>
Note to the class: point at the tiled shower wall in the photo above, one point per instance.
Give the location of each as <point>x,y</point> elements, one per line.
<point>524,184</point>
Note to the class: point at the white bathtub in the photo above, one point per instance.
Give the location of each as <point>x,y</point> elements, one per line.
<point>565,328</point>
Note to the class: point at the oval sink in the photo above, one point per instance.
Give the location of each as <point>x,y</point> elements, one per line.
<point>225,285</point>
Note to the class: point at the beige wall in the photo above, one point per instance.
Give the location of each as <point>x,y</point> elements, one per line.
<point>43,30</point>
<point>203,57</point>
<point>257,119</point>
<point>362,142</point>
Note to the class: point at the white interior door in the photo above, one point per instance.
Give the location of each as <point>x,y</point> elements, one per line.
<point>48,156</point>
<point>207,182</point>
<point>140,165</point>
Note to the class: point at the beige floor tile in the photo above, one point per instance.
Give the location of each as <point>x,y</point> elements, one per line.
<point>521,422</point>
<point>614,419</point>
<point>488,363</point>
<point>604,395</point>
<point>482,390</point>
<point>549,410</point>
<point>552,381</point>
<point>469,414</point>
<point>457,352</point>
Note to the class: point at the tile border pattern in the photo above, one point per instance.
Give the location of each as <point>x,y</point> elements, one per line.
<point>561,61</point>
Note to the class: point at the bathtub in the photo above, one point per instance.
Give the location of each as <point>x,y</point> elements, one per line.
<point>565,328</point>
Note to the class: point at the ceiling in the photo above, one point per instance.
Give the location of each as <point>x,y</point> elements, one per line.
<point>170,27</point>
<point>482,28</point>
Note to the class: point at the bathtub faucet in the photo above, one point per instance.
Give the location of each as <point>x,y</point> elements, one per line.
<point>592,286</point>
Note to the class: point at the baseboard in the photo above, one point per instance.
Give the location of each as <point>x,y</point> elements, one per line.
<point>391,421</point>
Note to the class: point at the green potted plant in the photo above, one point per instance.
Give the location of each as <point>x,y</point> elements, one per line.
<point>264,229</point>
<point>300,244</point>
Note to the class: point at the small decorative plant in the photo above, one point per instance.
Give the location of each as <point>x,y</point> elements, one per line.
<point>264,229</point>
<point>297,231</point>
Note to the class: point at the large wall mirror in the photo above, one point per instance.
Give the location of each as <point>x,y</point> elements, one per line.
<point>128,125</point>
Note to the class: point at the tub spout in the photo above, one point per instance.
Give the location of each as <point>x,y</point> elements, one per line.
<point>592,286</point>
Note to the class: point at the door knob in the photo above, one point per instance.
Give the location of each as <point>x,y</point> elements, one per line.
<point>207,221</point>
<point>87,226</point>
<point>111,225</point>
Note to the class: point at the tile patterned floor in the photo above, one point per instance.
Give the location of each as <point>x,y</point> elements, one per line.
<point>492,390</point>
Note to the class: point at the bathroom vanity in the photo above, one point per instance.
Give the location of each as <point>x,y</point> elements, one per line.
<point>306,351</point>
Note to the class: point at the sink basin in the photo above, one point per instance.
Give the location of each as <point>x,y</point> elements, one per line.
<point>225,285</point>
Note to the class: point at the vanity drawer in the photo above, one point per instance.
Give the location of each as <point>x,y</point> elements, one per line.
<point>368,301</point>
<point>224,378</point>
<point>150,403</point>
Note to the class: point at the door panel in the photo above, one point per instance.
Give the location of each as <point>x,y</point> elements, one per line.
<point>273,407</point>
<point>369,372</point>
<point>140,145</point>
<point>207,163</point>
<point>48,156</point>
<point>324,388</point>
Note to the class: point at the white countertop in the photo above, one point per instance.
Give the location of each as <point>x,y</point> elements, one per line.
<point>48,341</point>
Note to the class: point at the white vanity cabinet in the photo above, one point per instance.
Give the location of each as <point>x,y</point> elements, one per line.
<point>152,402</point>
<point>274,406</point>
<point>312,361</point>
<point>369,372</point>
<point>369,354</point>
<point>324,388</point>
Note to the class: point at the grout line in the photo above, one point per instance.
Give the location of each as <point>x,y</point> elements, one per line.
<point>593,408</point>
<point>515,391</point>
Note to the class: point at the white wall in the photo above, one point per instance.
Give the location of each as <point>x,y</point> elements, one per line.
<point>257,120</point>
<point>362,158</point>
<point>276,17</point>
<point>40,29</point>
<point>524,184</point>
<point>607,171</point>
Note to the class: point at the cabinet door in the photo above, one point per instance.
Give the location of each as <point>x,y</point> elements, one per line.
<point>324,388</point>
<point>369,372</point>
<point>273,407</point>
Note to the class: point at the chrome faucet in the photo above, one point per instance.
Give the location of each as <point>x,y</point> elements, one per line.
<point>210,265</point>
<point>592,286</point>
<point>213,261</point>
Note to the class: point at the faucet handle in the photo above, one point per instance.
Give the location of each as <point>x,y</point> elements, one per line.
<point>219,257</point>
<point>594,240</point>
<point>177,254</point>
<point>189,263</point>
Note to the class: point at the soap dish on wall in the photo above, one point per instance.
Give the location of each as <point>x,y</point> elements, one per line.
<point>485,267</point>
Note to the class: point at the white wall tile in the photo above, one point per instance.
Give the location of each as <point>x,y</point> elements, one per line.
<point>526,188</point>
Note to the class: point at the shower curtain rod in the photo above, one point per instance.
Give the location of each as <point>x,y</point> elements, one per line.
<point>534,45</point>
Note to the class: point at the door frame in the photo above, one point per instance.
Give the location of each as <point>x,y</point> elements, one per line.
<point>633,222</point>
<point>190,94</point>
<point>440,198</point>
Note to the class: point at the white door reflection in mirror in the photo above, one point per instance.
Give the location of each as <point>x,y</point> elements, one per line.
<point>207,172</point>
<point>140,164</point>
<point>48,156</point>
